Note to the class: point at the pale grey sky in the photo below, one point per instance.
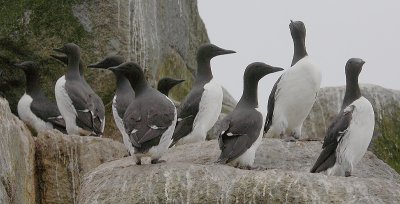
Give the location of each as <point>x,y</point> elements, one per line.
<point>336,31</point>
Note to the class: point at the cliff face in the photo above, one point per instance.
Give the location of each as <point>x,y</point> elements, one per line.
<point>162,36</point>
<point>17,159</point>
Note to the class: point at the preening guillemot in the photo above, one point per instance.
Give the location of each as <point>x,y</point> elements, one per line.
<point>200,109</point>
<point>124,95</point>
<point>79,105</point>
<point>151,117</point>
<point>295,92</point>
<point>348,137</point>
<point>34,108</point>
<point>242,130</point>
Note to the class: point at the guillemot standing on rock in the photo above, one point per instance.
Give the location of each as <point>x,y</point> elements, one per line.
<point>79,105</point>
<point>150,118</point>
<point>34,108</point>
<point>124,95</point>
<point>242,130</point>
<point>200,109</point>
<point>166,84</point>
<point>348,137</point>
<point>100,109</point>
<point>295,92</point>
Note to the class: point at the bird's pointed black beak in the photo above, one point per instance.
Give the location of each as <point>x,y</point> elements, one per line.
<point>60,50</point>
<point>276,69</point>
<point>362,62</point>
<point>113,68</point>
<point>57,57</point>
<point>291,21</point>
<point>225,52</point>
<point>95,65</point>
<point>178,81</point>
<point>18,65</point>
<point>100,64</point>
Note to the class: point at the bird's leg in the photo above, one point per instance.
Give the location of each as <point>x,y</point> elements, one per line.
<point>347,174</point>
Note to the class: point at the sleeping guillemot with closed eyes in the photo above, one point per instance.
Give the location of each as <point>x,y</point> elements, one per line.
<point>150,118</point>
<point>348,137</point>
<point>81,109</point>
<point>124,95</point>
<point>34,108</point>
<point>242,129</point>
<point>295,92</point>
<point>200,109</point>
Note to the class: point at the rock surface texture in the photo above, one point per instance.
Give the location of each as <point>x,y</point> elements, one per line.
<point>17,159</point>
<point>62,160</point>
<point>190,176</point>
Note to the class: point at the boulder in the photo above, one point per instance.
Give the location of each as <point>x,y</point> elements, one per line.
<point>62,160</point>
<point>17,159</point>
<point>190,176</point>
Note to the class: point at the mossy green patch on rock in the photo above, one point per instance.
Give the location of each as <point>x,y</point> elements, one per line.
<point>174,66</point>
<point>387,145</point>
<point>29,31</point>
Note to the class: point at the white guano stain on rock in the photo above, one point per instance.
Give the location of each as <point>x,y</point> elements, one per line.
<point>190,176</point>
<point>81,13</point>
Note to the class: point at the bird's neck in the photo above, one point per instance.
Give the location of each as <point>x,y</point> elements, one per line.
<point>81,69</point>
<point>73,67</point>
<point>139,86</point>
<point>164,90</point>
<point>352,92</point>
<point>204,73</point>
<point>299,49</point>
<point>32,83</point>
<point>250,96</point>
<point>123,84</point>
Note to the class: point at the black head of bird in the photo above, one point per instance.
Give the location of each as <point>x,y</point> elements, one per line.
<point>354,67</point>
<point>165,84</point>
<point>257,70</point>
<point>297,29</point>
<point>70,49</point>
<point>27,66</point>
<point>208,51</point>
<point>132,71</point>
<point>109,61</point>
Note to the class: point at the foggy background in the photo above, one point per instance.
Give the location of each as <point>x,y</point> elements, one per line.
<point>336,31</point>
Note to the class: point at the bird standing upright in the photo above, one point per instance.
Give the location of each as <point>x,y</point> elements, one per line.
<point>124,95</point>
<point>80,107</point>
<point>350,133</point>
<point>242,129</point>
<point>34,108</point>
<point>150,118</point>
<point>295,92</point>
<point>200,109</point>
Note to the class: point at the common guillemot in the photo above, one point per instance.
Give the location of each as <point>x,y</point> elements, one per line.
<point>150,118</point>
<point>34,108</point>
<point>242,129</point>
<point>295,92</point>
<point>201,107</point>
<point>350,133</point>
